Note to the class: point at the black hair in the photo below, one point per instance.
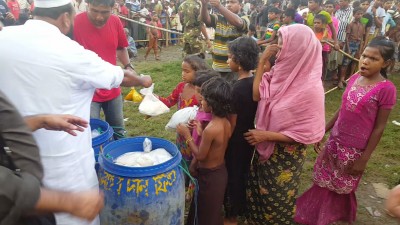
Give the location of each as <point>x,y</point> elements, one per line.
<point>252,27</point>
<point>386,48</point>
<point>330,2</point>
<point>196,61</point>
<point>274,10</point>
<point>319,2</point>
<point>304,2</point>
<point>356,4</point>
<point>204,75</point>
<point>253,3</point>
<point>320,17</point>
<point>290,13</point>
<point>110,3</point>
<point>55,12</point>
<point>244,51</point>
<point>358,9</point>
<point>271,2</point>
<point>217,92</point>
<point>295,4</point>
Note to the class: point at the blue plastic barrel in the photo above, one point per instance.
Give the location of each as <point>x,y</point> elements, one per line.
<point>153,195</point>
<point>99,142</point>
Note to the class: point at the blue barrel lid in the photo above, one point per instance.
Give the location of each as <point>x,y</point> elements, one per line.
<point>122,146</point>
<point>108,131</point>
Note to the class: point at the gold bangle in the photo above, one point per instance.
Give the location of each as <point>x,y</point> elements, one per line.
<point>188,140</point>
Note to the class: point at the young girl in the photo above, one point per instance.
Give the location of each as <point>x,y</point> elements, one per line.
<point>202,118</point>
<point>356,130</point>
<point>322,34</point>
<point>242,58</point>
<point>184,94</point>
<point>211,170</point>
<point>200,122</point>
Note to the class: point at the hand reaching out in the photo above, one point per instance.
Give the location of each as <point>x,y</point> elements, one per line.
<point>67,123</point>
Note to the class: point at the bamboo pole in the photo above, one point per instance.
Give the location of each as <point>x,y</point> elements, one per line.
<point>341,51</point>
<point>147,25</point>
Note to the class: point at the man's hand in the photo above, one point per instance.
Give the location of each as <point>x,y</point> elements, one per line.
<point>9,16</point>
<point>146,81</point>
<point>67,123</point>
<point>205,2</point>
<point>87,204</point>
<point>215,3</point>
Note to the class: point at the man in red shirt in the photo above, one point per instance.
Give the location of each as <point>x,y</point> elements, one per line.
<point>101,32</point>
<point>13,5</point>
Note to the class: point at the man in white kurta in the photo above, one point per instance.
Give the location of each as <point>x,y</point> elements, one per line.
<point>45,72</point>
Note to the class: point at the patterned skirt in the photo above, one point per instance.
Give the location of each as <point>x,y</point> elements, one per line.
<point>273,185</point>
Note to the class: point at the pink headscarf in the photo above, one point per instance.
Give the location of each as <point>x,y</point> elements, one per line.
<point>292,95</point>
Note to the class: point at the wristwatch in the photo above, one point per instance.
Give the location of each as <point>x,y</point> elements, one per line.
<point>129,65</point>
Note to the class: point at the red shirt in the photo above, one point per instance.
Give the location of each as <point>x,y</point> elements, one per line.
<point>104,41</point>
<point>123,11</point>
<point>14,8</point>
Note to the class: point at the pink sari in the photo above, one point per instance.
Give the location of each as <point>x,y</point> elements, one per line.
<point>292,95</point>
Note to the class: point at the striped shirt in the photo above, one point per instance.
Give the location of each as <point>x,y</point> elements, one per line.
<point>344,16</point>
<point>224,33</point>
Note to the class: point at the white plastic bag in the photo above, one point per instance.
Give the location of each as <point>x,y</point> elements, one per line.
<point>146,91</point>
<point>151,105</point>
<point>181,116</point>
<point>146,158</point>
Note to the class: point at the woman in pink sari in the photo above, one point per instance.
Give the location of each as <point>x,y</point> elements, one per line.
<point>290,115</point>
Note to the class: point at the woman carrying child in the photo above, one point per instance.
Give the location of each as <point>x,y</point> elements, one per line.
<point>356,129</point>
<point>290,114</point>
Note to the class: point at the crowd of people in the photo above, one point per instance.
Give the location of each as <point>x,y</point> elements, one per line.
<point>257,113</point>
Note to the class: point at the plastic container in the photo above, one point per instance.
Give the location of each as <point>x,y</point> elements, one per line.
<point>153,195</point>
<point>99,142</point>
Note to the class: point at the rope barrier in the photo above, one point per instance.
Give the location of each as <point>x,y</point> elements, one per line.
<point>147,25</point>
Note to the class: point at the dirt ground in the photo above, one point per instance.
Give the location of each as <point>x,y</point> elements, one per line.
<point>366,194</point>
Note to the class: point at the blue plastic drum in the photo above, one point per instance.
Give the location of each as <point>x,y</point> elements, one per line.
<point>153,195</point>
<point>99,142</point>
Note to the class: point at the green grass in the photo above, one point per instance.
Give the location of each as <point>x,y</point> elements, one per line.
<point>383,167</point>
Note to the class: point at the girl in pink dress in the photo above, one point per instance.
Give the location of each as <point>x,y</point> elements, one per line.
<point>356,130</point>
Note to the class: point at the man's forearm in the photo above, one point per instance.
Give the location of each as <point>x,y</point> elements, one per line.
<point>205,16</point>
<point>231,17</point>
<point>35,122</point>
<point>123,56</point>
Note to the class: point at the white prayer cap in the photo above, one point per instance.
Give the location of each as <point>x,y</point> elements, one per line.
<point>50,3</point>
